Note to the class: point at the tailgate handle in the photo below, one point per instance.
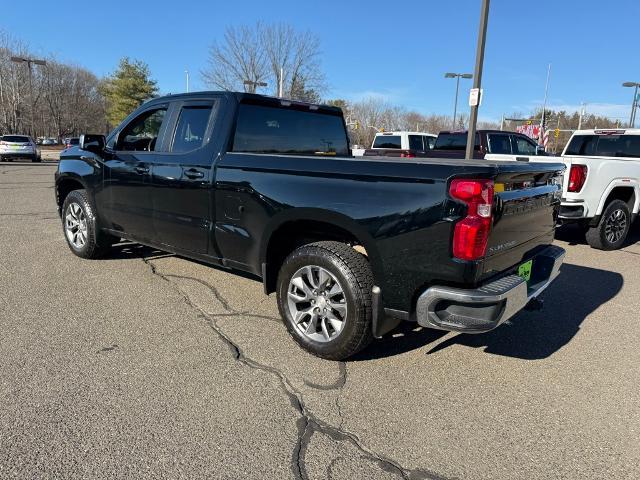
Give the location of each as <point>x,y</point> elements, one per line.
<point>522,159</point>
<point>193,173</point>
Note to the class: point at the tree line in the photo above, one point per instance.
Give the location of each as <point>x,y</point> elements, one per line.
<point>58,99</point>
<point>53,100</point>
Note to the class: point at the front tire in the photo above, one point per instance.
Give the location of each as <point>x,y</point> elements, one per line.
<point>79,224</point>
<point>324,297</point>
<point>611,232</point>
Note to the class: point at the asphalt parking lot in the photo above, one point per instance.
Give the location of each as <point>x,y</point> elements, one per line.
<point>146,365</point>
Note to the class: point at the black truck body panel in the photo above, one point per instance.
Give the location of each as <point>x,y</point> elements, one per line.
<point>224,207</point>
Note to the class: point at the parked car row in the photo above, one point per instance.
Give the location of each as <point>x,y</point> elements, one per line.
<point>601,192</point>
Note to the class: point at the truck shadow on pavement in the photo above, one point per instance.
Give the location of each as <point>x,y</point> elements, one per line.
<point>575,294</point>
<point>536,335</point>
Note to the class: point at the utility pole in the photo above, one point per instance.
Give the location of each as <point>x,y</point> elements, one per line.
<point>30,62</point>
<point>544,108</point>
<point>477,77</point>
<point>632,118</point>
<point>502,122</point>
<point>281,83</point>
<point>457,76</point>
<point>582,112</point>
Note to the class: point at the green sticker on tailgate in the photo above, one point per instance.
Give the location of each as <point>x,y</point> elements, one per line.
<point>524,270</point>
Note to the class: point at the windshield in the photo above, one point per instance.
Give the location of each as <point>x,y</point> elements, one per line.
<point>387,141</point>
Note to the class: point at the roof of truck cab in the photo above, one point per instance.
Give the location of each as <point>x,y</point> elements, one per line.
<point>610,131</point>
<point>401,132</point>
<point>244,97</point>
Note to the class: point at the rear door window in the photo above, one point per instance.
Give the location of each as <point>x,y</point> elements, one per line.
<point>499,143</point>
<point>415,142</point>
<point>289,131</point>
<point>387,141</point>
<point>429,142</point>
<point>191,128</point>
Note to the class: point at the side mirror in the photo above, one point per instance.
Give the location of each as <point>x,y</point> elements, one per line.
<point>540,150</point>
<point>92,143</point>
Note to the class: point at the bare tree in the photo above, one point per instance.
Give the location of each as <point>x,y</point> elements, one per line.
<point>296,57</point>
<point>64,99</point>
<point>238,58</point>
<point>267,54</point>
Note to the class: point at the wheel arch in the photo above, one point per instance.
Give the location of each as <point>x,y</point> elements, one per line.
<point>626,190</point>
<point>65,185</point>
<point>299,227</point>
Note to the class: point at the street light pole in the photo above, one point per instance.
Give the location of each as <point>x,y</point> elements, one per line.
<point>477,77</point>
<point>632,117</point>
<point>30,62</point>
<point>457,76</point>
<point>186,72</point>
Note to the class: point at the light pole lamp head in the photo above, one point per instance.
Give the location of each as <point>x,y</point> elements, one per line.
<point>450,75</point>
<point>630,84</point>
<point>466,75</point>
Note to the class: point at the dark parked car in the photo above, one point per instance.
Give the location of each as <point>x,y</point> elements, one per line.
<point>490,144</point>
<point>351,246</point>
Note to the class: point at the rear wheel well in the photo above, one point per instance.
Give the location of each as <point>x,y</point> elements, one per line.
<point>626,194</point>
<point>65,187</point>
<point>293,235</point>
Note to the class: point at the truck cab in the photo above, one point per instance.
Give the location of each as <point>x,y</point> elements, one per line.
<point>401,144</point>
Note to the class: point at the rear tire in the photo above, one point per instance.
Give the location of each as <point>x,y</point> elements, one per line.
<point>324,297</point>
<point>613,228</point>
<point>80,227</point>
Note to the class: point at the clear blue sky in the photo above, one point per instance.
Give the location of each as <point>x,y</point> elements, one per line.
<point>398,50</point>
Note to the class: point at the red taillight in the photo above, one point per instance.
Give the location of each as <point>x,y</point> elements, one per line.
<point>577,177</point>
<point>407,155</point>
<point>472,232</point>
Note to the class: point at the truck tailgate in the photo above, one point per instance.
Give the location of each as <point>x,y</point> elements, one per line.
<point>526,205</point>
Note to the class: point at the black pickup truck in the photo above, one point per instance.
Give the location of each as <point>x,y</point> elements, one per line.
<point>351,246</point>
<point>489,144</point>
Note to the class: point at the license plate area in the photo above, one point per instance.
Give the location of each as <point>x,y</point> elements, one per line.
<point>524,270</point>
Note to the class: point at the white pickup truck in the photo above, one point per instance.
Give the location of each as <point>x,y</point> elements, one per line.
<point>601,188</point>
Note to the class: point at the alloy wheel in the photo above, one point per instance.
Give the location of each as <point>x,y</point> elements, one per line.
<point>75,225</point>
<point>615,226</point>
<point>317,303</point>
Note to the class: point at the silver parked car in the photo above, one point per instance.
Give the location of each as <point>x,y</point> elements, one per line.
<point>18,147</point>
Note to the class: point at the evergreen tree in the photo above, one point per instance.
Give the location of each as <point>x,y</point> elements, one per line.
<point>127,88</point>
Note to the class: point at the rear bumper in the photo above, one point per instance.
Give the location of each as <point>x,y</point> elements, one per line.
<point>30,155</point>
<point>482,309</point>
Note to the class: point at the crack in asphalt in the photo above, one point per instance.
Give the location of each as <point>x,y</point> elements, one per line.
<point>308,423</point>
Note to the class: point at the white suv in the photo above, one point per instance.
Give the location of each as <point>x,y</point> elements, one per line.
<point>17,147</point>
<point>402,144</point>
<point>602,184</point>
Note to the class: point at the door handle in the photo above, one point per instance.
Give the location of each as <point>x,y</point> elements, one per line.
<point>141,169</point>
<point>193,174</point>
